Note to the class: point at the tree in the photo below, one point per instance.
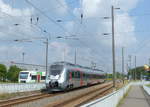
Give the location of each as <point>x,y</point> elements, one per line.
<point>13,73</point>
<point>3,72</point>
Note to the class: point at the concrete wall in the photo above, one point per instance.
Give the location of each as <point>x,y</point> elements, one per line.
<point>114,98</point>
<point>110,100</point>
<point>20,87</point>
<point>146,88</point>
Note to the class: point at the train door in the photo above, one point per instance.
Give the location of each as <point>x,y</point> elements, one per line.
<point>70,77</point>
<point>75,79</point>
<point>38,77</point>
<point>78,80</point>
<point>81,79</point>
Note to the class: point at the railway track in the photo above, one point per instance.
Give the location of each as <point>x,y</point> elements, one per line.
<point>82,98</point>
<point>11,102</point>
<point>77,100</point>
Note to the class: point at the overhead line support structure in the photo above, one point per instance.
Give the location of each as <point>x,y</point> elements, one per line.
<point>113,47</point>
<point>47,42</point>
<point>123,64</point>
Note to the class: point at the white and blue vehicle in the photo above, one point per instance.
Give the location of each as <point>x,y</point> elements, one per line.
<point>31,76</point>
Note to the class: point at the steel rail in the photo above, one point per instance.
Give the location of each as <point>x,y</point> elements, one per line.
<point>8,103</point>
<point>65,102</point>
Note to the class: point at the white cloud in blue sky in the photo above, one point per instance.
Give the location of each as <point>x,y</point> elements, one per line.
<point>92,45</point>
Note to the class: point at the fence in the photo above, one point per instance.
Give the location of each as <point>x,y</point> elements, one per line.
<point>20,87</point>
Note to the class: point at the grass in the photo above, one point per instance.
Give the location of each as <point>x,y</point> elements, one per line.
<point>1,82</point>
<point>148,85</point>
<point>5,96</point>
<point>109,79</point>
<point>8,96</point>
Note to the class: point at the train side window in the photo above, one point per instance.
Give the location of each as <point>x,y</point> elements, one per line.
<point>83,75</point>
<point>34,77</point>
<point>43,77</point>
<point>78,74</point>
<point>73,75</point>
<point>87,76</point>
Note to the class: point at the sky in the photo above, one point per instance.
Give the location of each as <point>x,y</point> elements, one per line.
<point>85,35</point>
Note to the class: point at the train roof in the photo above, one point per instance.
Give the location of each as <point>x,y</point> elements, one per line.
<point>75,65</point>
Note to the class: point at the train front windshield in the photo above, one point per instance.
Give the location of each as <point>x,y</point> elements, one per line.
<point>24,75</point>
<point>56,69</point>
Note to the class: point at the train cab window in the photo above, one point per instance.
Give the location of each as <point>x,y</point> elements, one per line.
<point>56,69</point>
<point>34,77</point>
<point>43,77</point>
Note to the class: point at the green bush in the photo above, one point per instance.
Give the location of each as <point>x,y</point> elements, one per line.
<point>3,72</point>
<point>13,73</point>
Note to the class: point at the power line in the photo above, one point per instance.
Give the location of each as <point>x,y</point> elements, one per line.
<point>52,20</point>
<point>142,46</point>
<point>92,49</point>
<point>40,28</point>
<point>57,7</point>
<point>78,20</point>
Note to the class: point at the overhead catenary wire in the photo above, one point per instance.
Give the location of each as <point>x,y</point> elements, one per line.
<point>142,46</point>
<point>83,43</point>
<point>79,20</point>
<point>48,17</point>
<point>57,7</point>
<point>25,23</point>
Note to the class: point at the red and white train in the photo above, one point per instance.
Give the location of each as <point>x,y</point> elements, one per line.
<point>64,76</point>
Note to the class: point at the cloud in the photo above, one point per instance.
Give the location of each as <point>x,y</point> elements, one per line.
<point>93,26</point>
<point>127,5</point>
<point>59,51</point>
<point>53,7</point>
<point>92,44</point>
<point>10,54</point>
<point>10,17</point>
<point>123,22</point>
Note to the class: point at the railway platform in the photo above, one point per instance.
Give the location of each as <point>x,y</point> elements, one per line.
<point>136,97</point>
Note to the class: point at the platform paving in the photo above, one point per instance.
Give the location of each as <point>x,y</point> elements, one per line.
<point>136,98</point>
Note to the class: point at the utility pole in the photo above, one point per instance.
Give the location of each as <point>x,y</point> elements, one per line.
<point>75,57</point>
<point>123,64</point>
<point>127,68</point>
<point>149,61</point>
<point>47,42</point>
<point>23,54</point>
<point>135,69</point>
<point>130,64</point>
<point>113,47</point>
